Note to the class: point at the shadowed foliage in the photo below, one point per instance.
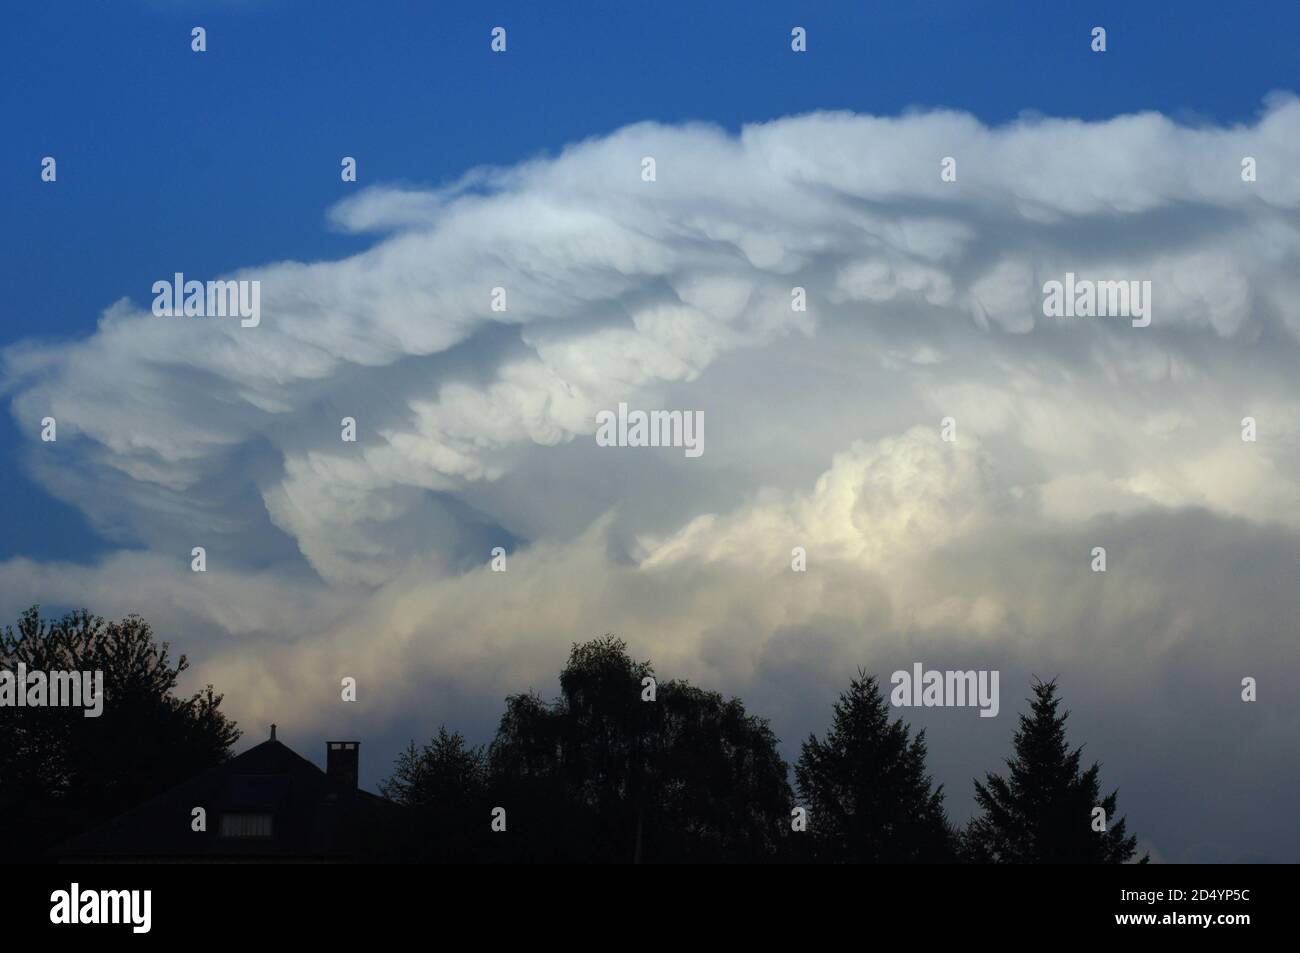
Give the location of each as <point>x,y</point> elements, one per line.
<point>440,786</point>
<point>686,776</point>
<point>618,768</point>
<point>869,797</point>
<point>1041,812</point>
<point>61,772</point>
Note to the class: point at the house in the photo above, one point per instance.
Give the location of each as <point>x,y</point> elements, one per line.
<point>267,805</point>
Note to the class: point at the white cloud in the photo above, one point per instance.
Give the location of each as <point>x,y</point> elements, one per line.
<point>924,301</point>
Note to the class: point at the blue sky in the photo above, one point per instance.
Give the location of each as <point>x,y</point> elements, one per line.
<point>231,157</point>
<point>204,163</point>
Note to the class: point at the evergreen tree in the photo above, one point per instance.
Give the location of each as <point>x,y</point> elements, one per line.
<point>1042,811</point>
<point>441,789</point>
<point>866,789</point>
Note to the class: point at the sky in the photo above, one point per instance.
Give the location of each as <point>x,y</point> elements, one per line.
<point>476,428</point>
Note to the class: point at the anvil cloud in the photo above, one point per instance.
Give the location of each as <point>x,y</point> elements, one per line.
<point>476,429</point>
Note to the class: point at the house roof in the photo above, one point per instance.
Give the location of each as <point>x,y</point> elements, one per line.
<point>313,816</point>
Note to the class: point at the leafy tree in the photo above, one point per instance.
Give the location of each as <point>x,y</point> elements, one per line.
<point>1041,812</point>
<point>535,775</point>
<point>720,788</point>
<point>605,775</point>
<point>61,772</point>
<point>868,795</point>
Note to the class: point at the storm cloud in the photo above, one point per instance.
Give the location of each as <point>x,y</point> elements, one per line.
<point>475,429</point>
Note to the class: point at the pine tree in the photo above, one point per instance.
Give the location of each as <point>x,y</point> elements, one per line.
<point>440,789</point>
<point>1042,812</point>
<point>866,788</point>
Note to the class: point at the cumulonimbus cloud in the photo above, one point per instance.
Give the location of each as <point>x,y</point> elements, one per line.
<point>924,301</point>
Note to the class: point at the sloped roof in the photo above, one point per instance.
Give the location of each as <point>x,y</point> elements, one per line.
<point>312,816</point>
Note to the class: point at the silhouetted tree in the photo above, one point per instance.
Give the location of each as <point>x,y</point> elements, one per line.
<point>719,788</point>
<point>442,790</point>
<point>1042,811</point>
<point>61,772</point>
<point>866,789</point>
<point>530,776</point>
<point>602,774</point>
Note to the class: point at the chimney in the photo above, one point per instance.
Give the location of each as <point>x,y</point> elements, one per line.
<point>341,761</point>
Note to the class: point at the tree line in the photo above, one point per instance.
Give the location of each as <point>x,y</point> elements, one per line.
<point>600,774</point>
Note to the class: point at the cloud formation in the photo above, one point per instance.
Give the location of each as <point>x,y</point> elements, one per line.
<point>475,429</point>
